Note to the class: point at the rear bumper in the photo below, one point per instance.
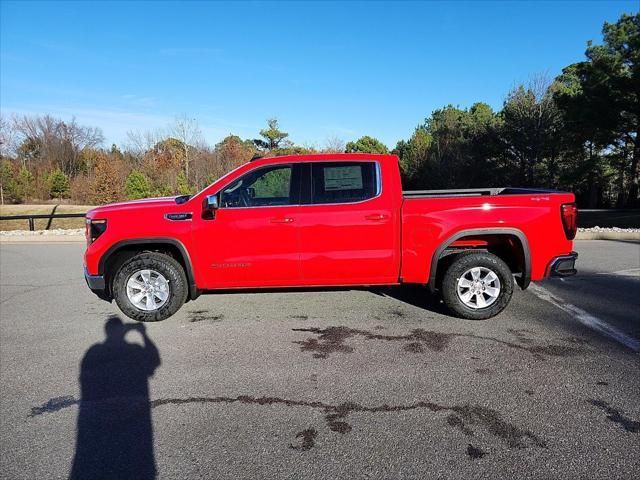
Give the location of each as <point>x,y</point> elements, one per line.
<point>563,266</point>
<point>97,284</point>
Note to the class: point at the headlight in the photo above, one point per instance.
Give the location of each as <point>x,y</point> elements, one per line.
<point>94,228</point>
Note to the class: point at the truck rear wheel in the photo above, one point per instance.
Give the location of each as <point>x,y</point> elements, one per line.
<point>150,287</point>
<point>477,285</point>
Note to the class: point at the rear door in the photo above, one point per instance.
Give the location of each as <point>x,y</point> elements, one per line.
<point>346,225</point>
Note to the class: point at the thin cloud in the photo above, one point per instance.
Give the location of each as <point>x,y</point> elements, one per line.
<point>180,51</point>
<point>140,101</point>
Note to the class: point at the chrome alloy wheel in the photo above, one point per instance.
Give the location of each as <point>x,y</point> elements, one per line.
<point>147,290</point>
<point>478,287</point>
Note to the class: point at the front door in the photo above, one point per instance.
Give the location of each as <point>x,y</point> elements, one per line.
<point>253,239</point>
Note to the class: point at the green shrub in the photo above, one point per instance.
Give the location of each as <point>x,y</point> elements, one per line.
<point>58,184</point>
<point>137,186</point>
<point>182,185</point>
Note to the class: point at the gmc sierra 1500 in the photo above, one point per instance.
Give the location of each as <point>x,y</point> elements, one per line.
<point>327,220</point>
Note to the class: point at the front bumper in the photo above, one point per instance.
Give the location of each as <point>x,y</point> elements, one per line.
<point>563,266</point>
<point>97,284</point>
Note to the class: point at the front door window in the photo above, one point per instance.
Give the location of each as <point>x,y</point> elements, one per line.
<point>264,187</point>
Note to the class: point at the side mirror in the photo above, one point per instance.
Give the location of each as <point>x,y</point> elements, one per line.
<point>209,207</point>
<point>212,202</point>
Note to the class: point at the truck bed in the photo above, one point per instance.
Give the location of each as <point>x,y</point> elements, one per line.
<point>475,192</point>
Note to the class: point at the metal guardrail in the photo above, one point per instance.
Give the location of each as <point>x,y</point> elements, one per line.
<point>51,216</point>
<point>627,218</point>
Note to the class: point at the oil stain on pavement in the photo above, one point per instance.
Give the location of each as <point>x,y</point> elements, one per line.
<point>474,452</point>
<point>307,439</point>
<point>616,416</point>
<point>54,404</point>
<point>203,315</point>
<point>332,340</point>
<point>461,417</point>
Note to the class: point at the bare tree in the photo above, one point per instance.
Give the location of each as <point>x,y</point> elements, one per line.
<point>57,141</point>
<point>8,137</point>
<point>188,132</point>
<point>138,142</point>
<point>334,144</point>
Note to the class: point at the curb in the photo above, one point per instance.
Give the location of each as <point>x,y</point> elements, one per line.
<point>42,239</point>
<point>608,236</point>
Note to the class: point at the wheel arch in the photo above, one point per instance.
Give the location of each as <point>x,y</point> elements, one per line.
<point>525,278</point>
<point>119,252</point>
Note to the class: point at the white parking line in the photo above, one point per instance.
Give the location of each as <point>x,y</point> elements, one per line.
<point>586,318</point>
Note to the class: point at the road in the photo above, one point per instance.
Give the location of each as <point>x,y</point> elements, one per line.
<point>347,384</point>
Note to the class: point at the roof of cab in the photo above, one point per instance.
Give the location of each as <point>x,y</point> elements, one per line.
<point>334,157</point>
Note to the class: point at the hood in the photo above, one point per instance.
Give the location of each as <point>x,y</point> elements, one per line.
<point>133,204</point>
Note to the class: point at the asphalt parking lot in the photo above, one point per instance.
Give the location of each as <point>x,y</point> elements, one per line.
<point>342,384</point>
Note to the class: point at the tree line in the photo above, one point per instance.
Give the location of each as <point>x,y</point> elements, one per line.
<point>577,132</point>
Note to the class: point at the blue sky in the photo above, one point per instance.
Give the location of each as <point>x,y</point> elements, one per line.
<point>323,69</point>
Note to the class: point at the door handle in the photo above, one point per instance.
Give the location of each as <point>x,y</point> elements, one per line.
<point>376,217</point>
<point>282,220</point>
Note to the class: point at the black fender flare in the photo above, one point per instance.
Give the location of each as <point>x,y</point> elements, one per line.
<point>526,274</point>
<point>116,247</point>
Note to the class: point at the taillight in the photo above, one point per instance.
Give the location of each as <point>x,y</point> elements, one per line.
<point>569,213</point>
<point>95,228</point>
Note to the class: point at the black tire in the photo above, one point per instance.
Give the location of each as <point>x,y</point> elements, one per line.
<point>161,263</point>
<point>461,264</point>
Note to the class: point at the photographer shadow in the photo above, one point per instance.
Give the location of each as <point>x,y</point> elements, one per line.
<point>114,433</point>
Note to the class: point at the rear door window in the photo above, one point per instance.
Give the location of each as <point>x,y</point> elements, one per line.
<point>343,182</point>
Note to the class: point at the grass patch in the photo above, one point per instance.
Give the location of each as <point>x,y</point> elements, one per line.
<point>41,224</point>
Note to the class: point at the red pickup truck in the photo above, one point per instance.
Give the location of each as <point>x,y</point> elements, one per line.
<point>324,221</point>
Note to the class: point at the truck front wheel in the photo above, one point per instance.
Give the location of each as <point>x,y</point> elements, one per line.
<point>477,285</point>
<point>150,287</point>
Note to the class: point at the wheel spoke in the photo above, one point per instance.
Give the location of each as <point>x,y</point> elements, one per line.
<point>137,297</point>
<point>151,304</point>
<point>490,277</point>
<point>492,291</point>
<point>475,273</point>
<point>146,276</point>
<point>480,301</point>
<point>463,282</point>
<point>133,283</point>
<point>465,297</point>
<point>161,295</point>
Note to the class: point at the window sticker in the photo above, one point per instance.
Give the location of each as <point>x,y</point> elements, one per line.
<point>343,178</point>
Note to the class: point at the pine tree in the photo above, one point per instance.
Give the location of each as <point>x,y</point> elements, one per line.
<point>58,183</point>
<point>24,184</point>
<point>7,182</point>
<point>182,184</point>
<point>137,186</point>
